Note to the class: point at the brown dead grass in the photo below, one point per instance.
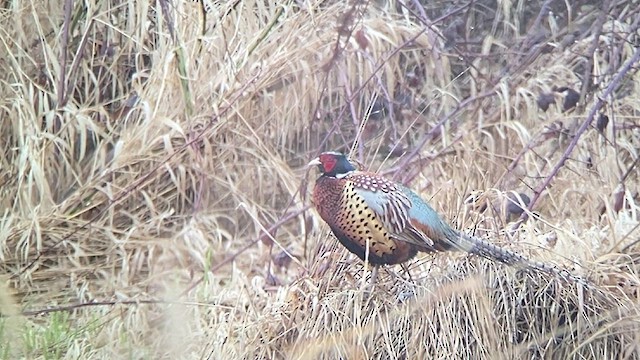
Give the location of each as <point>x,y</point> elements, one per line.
<point>165,180</point>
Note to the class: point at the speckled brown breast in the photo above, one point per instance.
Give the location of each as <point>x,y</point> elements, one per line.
<point>356,225</point>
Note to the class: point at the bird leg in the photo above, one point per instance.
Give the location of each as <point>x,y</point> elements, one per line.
<point>374,277</point>
<point>374,271</point>
<point>406,271</point>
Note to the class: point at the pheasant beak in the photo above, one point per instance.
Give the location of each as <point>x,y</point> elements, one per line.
<point>314,162</point>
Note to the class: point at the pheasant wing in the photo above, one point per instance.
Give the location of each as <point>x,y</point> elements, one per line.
<point>393,207</point>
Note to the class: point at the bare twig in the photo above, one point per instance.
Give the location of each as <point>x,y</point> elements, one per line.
<point>628,172</point>
<point>345,30</point>
<point>587,77</point>
<point>630,245</point>
<point>136,185</point>
<point>249,245</point>
<point>585,125</point>
<point>544,11</point>
<point>429,26</point>
<point>429,135</point>
<point>168,19</point>
<point>394,52</point>
<point>72,307</point>
<point>62,80</point>
<point>83,44</point>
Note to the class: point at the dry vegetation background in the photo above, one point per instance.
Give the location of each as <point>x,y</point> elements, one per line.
<point>154,199</point>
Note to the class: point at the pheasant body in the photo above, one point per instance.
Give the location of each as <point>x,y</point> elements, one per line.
<point>386,223</point>
<point>356,224</point>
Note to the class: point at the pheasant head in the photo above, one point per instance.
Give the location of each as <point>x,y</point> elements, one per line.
<point>333,164</point>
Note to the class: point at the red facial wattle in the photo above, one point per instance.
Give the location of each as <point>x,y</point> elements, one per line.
<point>328,162</point>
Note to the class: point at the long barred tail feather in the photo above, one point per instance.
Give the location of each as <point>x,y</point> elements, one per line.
<point>493,252</point>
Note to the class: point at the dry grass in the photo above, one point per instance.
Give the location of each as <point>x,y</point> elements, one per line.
<point>154,197</point>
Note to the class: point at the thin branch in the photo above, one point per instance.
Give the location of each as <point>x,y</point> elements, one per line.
<point>62,61</point>
<point>432,133</point>
<point>72,307</point>
<point>544,11</point>
<point>346,31</point>
<point>79,53</point>
<point>587,77</point>
<point>168,20</point>
<point>375,71</point>
<point>628,172</point>
<point>249,245</point>
<point>585,125</point>
<point>456,50</point>
<point>137,184</point>
<point>630,245</point>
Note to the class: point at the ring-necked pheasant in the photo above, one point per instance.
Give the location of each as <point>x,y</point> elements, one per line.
<point>386,223</point>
